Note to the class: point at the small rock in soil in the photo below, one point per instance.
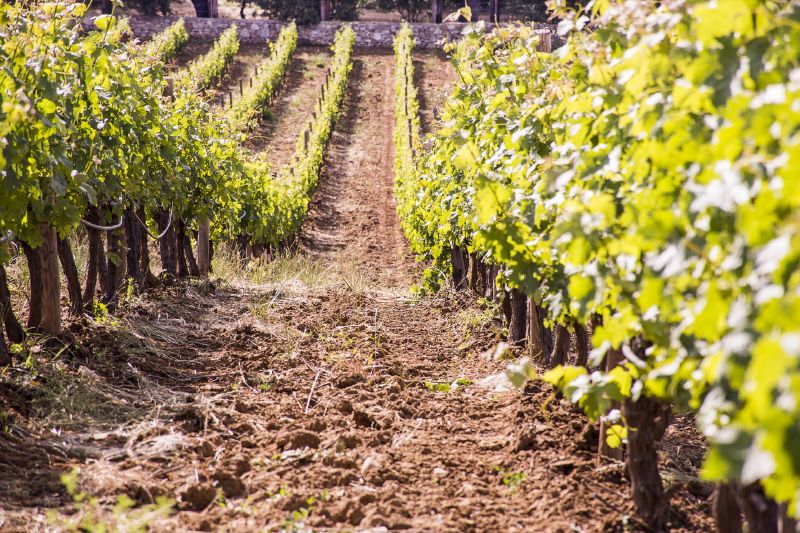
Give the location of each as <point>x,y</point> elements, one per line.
<point>242,466</point>
<point>299,439</point>
<point>356,516</point>
<point>349,380</point>
<point>231,485</point>
<point>372,463</point>
<point>192,419</point>
<point>364,419</point>
<point>317,426</point>
<point>206,449</point>
<point>198,497</point>
<point>347,442</point>
<point>526,440</point>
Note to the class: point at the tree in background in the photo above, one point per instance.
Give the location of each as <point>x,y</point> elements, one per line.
<point>410,10</point>
<point>304,11</point>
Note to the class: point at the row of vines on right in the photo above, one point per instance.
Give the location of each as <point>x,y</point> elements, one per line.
<point>638,188</point>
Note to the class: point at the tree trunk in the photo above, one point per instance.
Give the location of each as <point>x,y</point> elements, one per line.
<point>762,513</point>
<point>436,11</point>
<point>560,346</point>
<point>494,10</point>
<point>35,278</point>
<point>505,306</point>
<point>582,345</point>
<point>519,317</point>
<point>727,514</point>
<point>786,524</point>
<point>194,271</point>
<point>102,266</point>
<point>480,272</point>
<point>5,354</point>
<point>459,268</point>
<point>183,270</point>
<point>167,247</point>
<point>202,8</point>
<point>612,359</point>
<point>46,285</point>
<point>133,237</point>
<point>122,251</point>
<point>536,343</point>
<point>149,279</point>
<point>13,328</point>
<point>95,248</point>
<point>496,292</point>
<point>647,420</point>
<point>204,246</point>
<point>324,10</point>
<point>71,274</point>
<point>474,266</point>
<point>488,287</point>
<point>113,267</point>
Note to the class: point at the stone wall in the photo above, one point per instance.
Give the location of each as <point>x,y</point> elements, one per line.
<point>368,34</point>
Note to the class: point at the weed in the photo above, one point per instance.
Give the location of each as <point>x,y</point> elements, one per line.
<point>444,386</point>
<point>512,480</point>
<point>90,515</point>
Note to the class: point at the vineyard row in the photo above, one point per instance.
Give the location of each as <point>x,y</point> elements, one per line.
<point>640,183</point>
<point>100,137</point>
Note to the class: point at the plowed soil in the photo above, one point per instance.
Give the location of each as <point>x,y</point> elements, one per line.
<point>329,399</point>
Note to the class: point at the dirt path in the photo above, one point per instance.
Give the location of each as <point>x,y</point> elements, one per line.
<point>242,69</point>
<point>277,135</point>
<point>434,77</point>
<point>315,393</point>
<point>352,217</point>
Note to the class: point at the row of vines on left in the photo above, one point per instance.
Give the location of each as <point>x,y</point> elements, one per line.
<point>90,136</point>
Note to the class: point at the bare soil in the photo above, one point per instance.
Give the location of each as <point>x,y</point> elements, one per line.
<point>277,134</point>
<point>240,73</point>
<point>339,404</point>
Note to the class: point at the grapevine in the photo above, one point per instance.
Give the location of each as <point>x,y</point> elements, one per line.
<point>641,178</point>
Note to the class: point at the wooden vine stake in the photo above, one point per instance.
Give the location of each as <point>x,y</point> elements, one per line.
<point>204,246</point>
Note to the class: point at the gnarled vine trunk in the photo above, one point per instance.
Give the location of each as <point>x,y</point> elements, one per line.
<point>13,328</point>
<point>183,269</point>
<point>762,513</point>
<point>519,317</point>
<point>457,256</point>
<point>167,244</point>
<point>95,244</point>
<point>113,268</point>
<point>647,419</point>
<point>727,515</point>
<point>45,283</point>
<point>560,349</point>
<point>612,359</point>
<point>150,280</point>
<point>71,275</point>
<point>134,235</point>
<point>582,345</point>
